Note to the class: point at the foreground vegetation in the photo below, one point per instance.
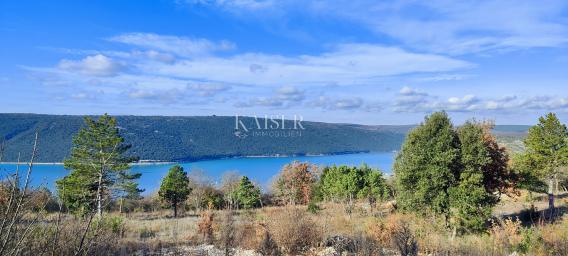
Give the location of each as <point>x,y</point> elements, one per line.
<point>455,191</point>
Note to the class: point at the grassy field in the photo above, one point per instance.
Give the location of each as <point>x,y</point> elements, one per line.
<point>354,229</point>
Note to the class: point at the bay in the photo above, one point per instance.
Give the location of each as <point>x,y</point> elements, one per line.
<point>260,169</point>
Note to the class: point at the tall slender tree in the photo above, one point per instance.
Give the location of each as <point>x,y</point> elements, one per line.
<point>97,160</point>
<point>175,188</point>
<point>546,154</point>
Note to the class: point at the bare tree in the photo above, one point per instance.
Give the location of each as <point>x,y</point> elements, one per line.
<point>13,228</point>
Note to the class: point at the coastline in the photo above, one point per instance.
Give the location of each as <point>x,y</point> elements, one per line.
<point>61,163</point>
<point>157,162</point>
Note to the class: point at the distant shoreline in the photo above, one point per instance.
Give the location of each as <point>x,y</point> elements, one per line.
<point>60,163</point>
<point>155,162</point>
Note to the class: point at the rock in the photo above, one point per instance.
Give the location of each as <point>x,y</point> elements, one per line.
<point>328,251</point>
<point>341,244</point>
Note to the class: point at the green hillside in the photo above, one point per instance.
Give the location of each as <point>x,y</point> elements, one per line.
<point>190,138</point>
<point>172,138</point>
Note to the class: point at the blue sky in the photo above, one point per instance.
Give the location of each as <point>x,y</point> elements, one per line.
<point>370,62</point>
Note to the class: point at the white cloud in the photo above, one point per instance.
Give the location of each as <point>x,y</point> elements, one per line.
<point>458,27</point>
<point>97,65</point>
<point>290,93</point>
<point>410,100</point>
<point>467,99</point>
<point>83,96</point>
<point>260,101</point>
<point>182,46</point>
<point>208,89</point>
<point>163,96</point>
<point>440,26</point>
<point>346,64</point>
<point>351,103</point>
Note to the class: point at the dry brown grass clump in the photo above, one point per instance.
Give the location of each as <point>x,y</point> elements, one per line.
<point>395,231</point>
<point>293,229</point>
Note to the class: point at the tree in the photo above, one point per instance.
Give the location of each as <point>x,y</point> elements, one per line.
<point>458,173</point>
<point>247,194</point>
<point>229,183</point>
<point>498,177</point>
<point>295,183</point>
<point>427,166</point>
<point>175,187</point>
<point>470,199</point>
<point>97,160</point>
<point>375,186</point>
<point>127,187</point>
<point>201,186</point>
<point>546,154</point>
<point>348,182</point>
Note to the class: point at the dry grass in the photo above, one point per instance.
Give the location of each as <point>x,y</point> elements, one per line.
<point>293,230</point>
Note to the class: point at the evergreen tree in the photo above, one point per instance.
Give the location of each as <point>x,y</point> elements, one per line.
<point>345,182</point>
<point>470,200</point>
<point>247,194</point>
<point>97,160</point>
<point>175,187</point>
<point>375,185</point>
<point>546,154</point>
<point>127,188</point>
<point>428,166</point>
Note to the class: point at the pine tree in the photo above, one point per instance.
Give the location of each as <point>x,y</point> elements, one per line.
<point>247,194</point>
<point>127,187</point>
<point>428,166</point>
<point>546,153</point>
<point>97,159</point>
<point>175,187</point>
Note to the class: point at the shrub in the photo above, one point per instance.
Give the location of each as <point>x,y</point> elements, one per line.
<point>145,233</point>
<point>293,230</point>
<point>227,232</point>
<point>267,246</point>
<point>395,231</point>
<point>313,207</point>
<point>205,226</point>
<point>506,235</point>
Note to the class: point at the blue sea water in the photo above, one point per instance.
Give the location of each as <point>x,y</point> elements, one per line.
<point>259,169</point>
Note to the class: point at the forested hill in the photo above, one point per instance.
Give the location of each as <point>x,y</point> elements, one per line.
<point>191,138</point>
<point>200,137</point>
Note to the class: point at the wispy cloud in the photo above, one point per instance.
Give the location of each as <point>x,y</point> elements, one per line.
<point>412,100</point>
<point>182,46</point>
<point>346,64</point>
<point>208,89</point>
<point>438,26</point>
<point>167,69</point>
